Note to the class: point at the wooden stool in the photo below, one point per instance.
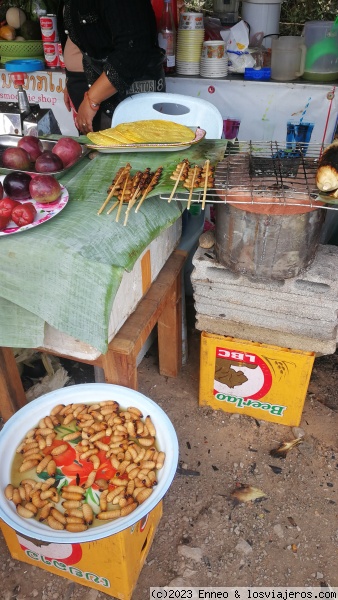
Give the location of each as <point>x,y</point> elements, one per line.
<point>161,305</point>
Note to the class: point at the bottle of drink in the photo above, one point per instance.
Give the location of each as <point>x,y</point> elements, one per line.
<point>167,37</point>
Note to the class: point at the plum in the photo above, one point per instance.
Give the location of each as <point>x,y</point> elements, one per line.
<point>44,188</point>
<point>32,145</point>
<point>1,191</point>
<point>16,185</point>
<point>16,158</point>
<point>68,150</point>
<point>48,162</point>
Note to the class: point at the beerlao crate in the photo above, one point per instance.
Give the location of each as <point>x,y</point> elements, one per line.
<point>111,565</point>
<point>266,382</point>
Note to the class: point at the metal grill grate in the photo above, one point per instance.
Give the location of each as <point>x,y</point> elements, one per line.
<point>266,173</point>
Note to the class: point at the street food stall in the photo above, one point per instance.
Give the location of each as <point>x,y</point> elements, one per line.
<point>96,269</point>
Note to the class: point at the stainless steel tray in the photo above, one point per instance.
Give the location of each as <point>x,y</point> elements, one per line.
<point>7,141</point>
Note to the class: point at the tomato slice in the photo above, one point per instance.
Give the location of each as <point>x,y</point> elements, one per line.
<point>106,470</point>
<point>66,458</point>
<point>77,470</point>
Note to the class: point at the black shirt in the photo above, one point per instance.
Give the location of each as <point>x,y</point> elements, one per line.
<point>117,37</point>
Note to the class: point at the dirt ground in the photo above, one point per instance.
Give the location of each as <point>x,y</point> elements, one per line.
<point>289,538</point>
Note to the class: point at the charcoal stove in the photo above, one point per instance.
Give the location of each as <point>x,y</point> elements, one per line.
<point>21,117</point>
<point>270,226</point>
<point>269,215</point>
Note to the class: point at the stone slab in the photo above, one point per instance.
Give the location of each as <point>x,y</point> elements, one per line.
<point>263,335</point>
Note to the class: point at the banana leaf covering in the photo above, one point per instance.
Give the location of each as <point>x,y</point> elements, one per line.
<point>66,272</point>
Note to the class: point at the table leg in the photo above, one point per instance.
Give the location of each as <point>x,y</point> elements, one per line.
<point>12,394</point>
<point>169,330</point>
<point>120,369</point>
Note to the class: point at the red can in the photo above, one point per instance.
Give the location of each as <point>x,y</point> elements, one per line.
<point>50,50</point>
<point>49,32</point>
<point>61,61</point>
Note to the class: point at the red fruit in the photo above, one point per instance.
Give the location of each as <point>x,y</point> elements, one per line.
<point>6,207</point>
<point>16,185</point>
<point>16,158</point>
<point>23,214</point>
<point>44,188</point>
<point>48,162</point>
<point>68,150</point>
<point>4,222</point>
<point>32,145</point>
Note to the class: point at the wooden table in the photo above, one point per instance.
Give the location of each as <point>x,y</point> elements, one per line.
<point>161,306</point>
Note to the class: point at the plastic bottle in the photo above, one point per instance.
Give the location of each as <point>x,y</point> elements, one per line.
<point>167,37</point>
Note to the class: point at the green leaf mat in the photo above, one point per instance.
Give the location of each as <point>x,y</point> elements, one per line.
<point>67,271</point>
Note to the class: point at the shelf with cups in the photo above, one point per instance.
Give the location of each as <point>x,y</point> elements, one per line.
<point>240,77</point>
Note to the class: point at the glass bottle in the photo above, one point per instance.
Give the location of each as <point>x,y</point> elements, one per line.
<point>167,37</point>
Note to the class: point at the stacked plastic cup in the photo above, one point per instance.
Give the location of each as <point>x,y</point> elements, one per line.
<point>190,37</point>
<point>214,59</point>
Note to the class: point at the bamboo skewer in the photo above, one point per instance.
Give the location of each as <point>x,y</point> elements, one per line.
<point>192,186</point>
<point>207,164</point>
<point>176,183</point>
<point>115,184</point>
<point>121,199</point>
<point>150,186</point>
<point>130,206</point>
<point>112,207</point>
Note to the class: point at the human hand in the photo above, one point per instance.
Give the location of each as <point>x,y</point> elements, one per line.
<point>66,99</point>
<point>84,118</point>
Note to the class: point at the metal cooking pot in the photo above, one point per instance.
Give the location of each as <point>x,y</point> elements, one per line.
<point>266,246</point>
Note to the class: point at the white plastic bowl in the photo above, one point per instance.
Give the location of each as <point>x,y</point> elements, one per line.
<point>16,428</point>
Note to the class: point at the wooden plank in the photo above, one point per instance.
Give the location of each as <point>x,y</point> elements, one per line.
<point>12,394</point>
<point>146,272</point>
<point>162,305</point>
<point>120,369</point>
<point>169,329</point>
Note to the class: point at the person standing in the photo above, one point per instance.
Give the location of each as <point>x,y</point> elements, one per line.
<point>120,54</point>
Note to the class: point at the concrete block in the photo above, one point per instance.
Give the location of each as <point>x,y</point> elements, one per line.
<point>302,311</point>
<point>264,335</point>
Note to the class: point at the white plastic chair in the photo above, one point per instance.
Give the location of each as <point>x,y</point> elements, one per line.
<point>186,110</point>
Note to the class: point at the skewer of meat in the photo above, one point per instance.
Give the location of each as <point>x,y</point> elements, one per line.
<point>178,178</point>
<point>126,191</point>
<point>117,179</point>
<point>178,173</point>
<point>153,182</point>
<point>143,182</point>
<point>195,175</point>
